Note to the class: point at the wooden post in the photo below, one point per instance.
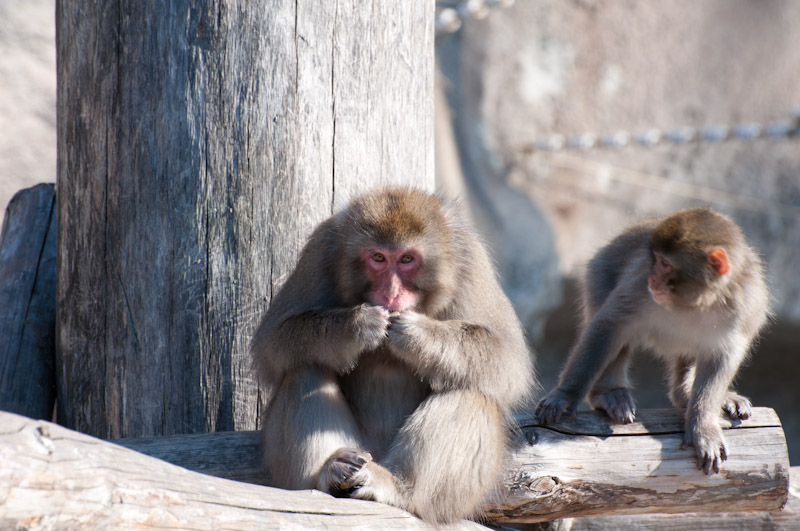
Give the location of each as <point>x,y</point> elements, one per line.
<point>198,145</point>
<point>27,303</point>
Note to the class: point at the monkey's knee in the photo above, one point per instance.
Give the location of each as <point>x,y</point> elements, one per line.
<point>450,454</point>
<point>307,420</point>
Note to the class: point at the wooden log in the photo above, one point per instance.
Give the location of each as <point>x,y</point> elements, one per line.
<point>613,466</point>
<point>198,145</point>
<point>585,466</point>
<point>28,304</point>
<point>42,456</point>
<point>55,478</point>
<point>786,518</point>
<point>582,466</point>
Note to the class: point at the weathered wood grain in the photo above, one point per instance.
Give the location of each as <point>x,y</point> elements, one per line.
<point>199,144</point>
<point>28,303</point>
<point>586,466</point>
<point>582,466</point>
<point>777,520</point>
<point>55,478</point>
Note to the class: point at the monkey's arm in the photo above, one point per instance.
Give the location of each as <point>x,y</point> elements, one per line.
<point>306,324</point>
<point>329,337</point>
<point>598,346</point>
<point>461,355</point>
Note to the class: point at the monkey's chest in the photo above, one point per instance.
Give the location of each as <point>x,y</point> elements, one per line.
<point>382,393</point>
<point>680,333</point>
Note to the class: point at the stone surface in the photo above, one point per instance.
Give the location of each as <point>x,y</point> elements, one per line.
<point>551,67</point>
<point>27,96</point>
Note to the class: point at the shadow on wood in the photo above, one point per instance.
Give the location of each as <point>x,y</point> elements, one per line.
<point>580,467</point>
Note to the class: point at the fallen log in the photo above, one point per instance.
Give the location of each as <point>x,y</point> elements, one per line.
<point>55,478</point>
<point>582,466</point>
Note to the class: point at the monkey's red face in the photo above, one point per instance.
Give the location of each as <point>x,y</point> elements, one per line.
<point>661,280</point>
<point>391,273</point>
<point>690,283</point>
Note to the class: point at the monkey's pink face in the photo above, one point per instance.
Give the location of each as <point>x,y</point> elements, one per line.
<point>391,273</point>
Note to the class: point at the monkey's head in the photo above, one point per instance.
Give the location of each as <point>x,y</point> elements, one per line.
<point>395,246</point>
<point>693,253</point>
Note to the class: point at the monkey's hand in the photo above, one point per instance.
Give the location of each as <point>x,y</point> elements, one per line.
<point>406,329</point>
<point>554,404</point>
<point>709,445</point>
<point>371,324</point>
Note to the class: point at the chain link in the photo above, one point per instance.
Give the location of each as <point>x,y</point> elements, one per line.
<point>789,128</point>
<point>450,16</point>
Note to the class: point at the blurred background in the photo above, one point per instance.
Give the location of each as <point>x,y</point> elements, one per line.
<point>527,93</point>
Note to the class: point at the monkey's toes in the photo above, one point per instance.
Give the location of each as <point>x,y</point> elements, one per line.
<point>710,451</point>
<point>617,404</point>
<point>737,406</point>
<point>337,476</point>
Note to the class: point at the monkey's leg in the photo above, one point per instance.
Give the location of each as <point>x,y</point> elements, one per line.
<point>307,421</point>
<point>680,375</point>
<point>611,392</point>
<point>713,377</point>
<point>445,461</point>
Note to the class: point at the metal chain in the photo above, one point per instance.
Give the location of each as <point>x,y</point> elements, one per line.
<point>450,15</point>
<point>789,128</point>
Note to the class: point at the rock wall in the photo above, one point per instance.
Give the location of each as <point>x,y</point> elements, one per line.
<point>549,67</point>
<point>27,96</point>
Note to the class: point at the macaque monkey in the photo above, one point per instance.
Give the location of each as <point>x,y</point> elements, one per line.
<point>393,360</point>
<point>690,289</point>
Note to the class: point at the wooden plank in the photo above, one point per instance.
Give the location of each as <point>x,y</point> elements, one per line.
<point>199,144</point>
<point>582,466</point>
<point>55,478</point>
<point>28,310</point>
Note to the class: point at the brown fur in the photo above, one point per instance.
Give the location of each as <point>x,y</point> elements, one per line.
<point>411,409</point>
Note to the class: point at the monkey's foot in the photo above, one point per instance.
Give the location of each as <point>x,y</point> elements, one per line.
<point>339,474</point>
<point>553,405</point>
<point>737,406</point>
<point>709,446</point>
<point>617,403</point>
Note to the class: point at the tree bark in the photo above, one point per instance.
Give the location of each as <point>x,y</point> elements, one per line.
<point>28,303</point>
<point>199,143</point>
<point>580,467</point>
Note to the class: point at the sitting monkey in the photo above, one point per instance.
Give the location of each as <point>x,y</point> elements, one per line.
<point>393,360</point>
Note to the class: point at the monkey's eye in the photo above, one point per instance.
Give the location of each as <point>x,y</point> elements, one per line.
<point>406,259</point>
<point>378,257</point>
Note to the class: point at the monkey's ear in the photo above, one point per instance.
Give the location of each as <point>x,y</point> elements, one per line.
<point>718,259</point>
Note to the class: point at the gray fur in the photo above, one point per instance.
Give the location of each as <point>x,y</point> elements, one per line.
<point>703,345</point>
<point>410,409</point>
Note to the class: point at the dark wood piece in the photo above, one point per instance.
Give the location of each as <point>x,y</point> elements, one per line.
<point>199,143</point>
<point>28,303</point>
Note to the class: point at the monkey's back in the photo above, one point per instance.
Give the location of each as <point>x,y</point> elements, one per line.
<point>612,263</point>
